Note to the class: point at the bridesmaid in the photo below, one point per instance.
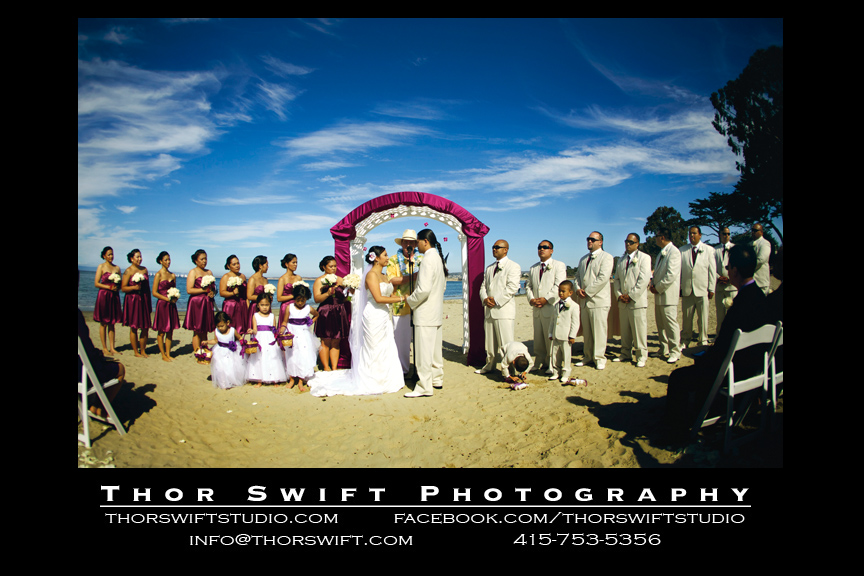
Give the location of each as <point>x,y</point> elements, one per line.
<point>165,319</point>
<point>199,310</point>
<point>255,287</point>
<point>334,315</point>
<point>285,289</point>
<point>108,310</point>
<point>234,303</point>
<point>136,303</point>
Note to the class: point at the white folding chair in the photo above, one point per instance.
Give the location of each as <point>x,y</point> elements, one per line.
<point>776,378</point>
<point>726,384</point>
<point>89,384</point>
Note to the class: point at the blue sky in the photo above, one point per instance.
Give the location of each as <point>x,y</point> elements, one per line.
<point>255,136</point>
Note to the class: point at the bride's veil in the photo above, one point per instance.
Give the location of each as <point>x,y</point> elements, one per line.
<point>358,303</point>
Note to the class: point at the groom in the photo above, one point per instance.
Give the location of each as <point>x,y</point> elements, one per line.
<point>427,304</point>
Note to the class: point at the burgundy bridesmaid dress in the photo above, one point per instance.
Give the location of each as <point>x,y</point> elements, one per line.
<point>199,312</point>
<point>287,290</point>
<point>137,307</point>
<point>237,309</point>
<point>108,309</point>
<point>166,319</point>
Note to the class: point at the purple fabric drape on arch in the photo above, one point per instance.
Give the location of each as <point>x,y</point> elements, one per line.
<point>474,230</point>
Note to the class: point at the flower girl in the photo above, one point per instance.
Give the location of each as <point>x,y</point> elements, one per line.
<point>227,366</point>
<point>301,358</point>
<point>267,366</point>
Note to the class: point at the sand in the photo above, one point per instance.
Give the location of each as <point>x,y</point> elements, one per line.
<point>176,418</point>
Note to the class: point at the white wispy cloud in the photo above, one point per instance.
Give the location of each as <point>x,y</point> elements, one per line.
<point>276,97</point>
<point>127,209</point>
<point>249,233</point>
<point>352,137</point>
<point>246,200</point>
<point>284,69</point>
<point>133,124</point>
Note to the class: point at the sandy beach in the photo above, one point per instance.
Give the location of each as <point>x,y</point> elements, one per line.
<point>176,418</point>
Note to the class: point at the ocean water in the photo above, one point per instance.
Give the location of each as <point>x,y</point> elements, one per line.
<point>87,292</point>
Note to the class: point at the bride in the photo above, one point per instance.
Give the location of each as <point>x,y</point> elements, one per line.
<point>375,366</point>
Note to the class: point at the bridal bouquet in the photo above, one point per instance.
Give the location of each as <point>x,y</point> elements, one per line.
<point>173,294</point>
<point>207,281</point>
<point>234,282</point>
<point>269,289</point>
<point>138,277</point>
<point>351,281</point>
<point>114,277</point>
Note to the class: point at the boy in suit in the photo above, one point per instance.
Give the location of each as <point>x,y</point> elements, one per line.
<point>562,331</point>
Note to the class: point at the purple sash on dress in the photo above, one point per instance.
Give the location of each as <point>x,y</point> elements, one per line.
<point>301,321</point>
<point>267,328</point>
<point>232,346</point>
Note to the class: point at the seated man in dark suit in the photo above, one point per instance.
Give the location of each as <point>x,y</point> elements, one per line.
<point>747,314</point>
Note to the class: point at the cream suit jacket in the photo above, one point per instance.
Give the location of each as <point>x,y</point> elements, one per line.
<point>593,277</point>
<point>721,260</point>
<point>699,277</point>
<point>633,280</point>
<point>565,324</point>
<point>553,275</point>
<point>763,255</point>
<point>667,276</point>
<point>502,286</point>
<point>427,300</point>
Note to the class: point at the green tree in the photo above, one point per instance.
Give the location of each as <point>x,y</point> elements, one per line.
<point>749,112</point>
<point>664,216</point>
<point>714,213</point>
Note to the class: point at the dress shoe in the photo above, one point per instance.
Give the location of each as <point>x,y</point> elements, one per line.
<point>438,386</point>
<point>673,359</point>
<point>416,394</point>
<point>483,370</point>
<point>553,376</point>
<point>640,364</point>
<point>601,364</point>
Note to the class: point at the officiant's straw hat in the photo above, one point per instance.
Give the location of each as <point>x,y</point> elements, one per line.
<point>407,235</point>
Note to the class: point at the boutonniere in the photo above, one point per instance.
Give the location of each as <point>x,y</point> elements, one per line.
<point>567,303</point>
<point>727,302</point>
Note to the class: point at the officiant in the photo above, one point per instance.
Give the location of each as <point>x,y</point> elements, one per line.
<point>402,270</point>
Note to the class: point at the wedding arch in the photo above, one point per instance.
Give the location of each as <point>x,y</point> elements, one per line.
<point>350,236</point>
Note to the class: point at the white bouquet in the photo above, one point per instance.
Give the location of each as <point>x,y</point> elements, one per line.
<point>114,277</point>
<point>330,280</point>
<point>138,277</point>
<point>173,294</point>
<point>351,281</point>
<point>234,282</point>
<point>727,302</point>
<point>207,281</point>
<point>269,289</point>
<point>301,283</point>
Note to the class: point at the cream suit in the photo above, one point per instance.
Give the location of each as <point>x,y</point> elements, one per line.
<point>667,282</point>
<point>632,278</point>
<point>564,325</point>
<point>500,319</point>
<point>697,279</point>
<point>554,272</point>
<point>722,291</point>
<point>763,270</point>
<point>427,303</point>
<point>509,353</point>
<point>593,276</point>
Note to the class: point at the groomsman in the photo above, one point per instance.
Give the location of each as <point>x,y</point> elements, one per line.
<point>763,255</point>
<point>698,277</point>
<point>500,285</point>
<point>724,289</point>
<point>592,287</point>
<point>666,286</point>
<point>542,291</point>
<point>631,289</point>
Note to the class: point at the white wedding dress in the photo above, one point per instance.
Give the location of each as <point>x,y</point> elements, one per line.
<point>375,366</point>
